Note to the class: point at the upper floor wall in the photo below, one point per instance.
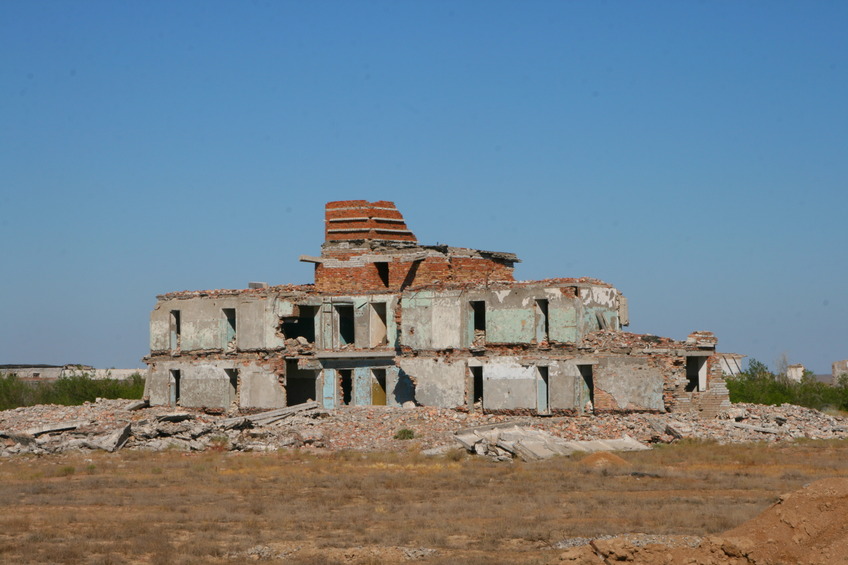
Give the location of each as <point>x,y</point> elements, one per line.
<point>234,323</point>
<point>429,319</point>
<point>521,314</point>
<point>220,323</point>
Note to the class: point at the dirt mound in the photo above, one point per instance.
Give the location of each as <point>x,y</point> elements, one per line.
<point>603,460</point>
<point>807,527</point>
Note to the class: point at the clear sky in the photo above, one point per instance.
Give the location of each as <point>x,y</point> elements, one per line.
<point>693,154</point>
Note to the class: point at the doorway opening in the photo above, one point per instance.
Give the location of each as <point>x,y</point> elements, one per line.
<point>233,378</point>
<point>174,387</point>
<point>541,321</point>
<point>696,374</point>
<point>476,392</point>
<point>587,392</point>
<point>344,317</point>
<point>346,382</point>
<point>478,320</point>
<point>543,395</point>
<point>175,329</point>
<point>379,328</point>
<point>229,328</point>
<point>378,387</point>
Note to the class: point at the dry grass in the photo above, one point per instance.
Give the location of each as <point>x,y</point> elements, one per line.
<point>360,508</point>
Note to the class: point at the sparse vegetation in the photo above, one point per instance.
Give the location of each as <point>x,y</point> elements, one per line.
<point>760,386</point>
<point>354,507</point>
<point>67,391</point>
<point>405,433</point>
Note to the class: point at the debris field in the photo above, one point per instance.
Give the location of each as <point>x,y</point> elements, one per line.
<point>111,425</point>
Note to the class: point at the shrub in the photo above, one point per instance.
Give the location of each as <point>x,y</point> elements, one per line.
<point>67,391</point>
<point>758,385</point>
<point>405,433</point>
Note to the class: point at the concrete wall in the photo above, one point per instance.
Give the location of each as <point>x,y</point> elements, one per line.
<point>445,319</point>
<point>509,385</point>
<point>203,325</point>
<point>628,383</point>
<point>600,309</point>
<point>437,382</point>
<point>432,320</point>
<point>206,384</point>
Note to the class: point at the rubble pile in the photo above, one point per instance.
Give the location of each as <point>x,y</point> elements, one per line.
<point>111,425</point>
<point>503,442</point>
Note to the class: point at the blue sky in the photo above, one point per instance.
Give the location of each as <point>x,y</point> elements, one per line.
<point>693,154</point>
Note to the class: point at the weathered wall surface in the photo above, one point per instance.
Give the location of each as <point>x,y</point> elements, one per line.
<point>628,383</point>
<point>260,388</point>
<point>437,382</point>
<point>203,325</point>
<point>206,384</point>
<point>509,385</point>
<point>432,320</point>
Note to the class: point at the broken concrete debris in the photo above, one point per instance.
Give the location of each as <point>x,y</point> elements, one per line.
<point>389,321</point>
<point>504,442</point>
<point>110,426</point>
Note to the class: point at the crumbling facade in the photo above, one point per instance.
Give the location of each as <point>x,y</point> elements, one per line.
<point>390,321</point>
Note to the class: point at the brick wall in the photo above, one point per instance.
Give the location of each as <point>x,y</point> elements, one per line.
<point>406,274</point>
<point>347,220</point>
<point>361,223</point>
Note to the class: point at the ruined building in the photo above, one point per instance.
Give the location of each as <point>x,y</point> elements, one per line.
<point>389,321</point>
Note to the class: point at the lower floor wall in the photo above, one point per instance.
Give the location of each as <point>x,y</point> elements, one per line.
<point>509,384</point>
<point>236,384</point>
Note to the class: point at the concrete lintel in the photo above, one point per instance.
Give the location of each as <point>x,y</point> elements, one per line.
<point>354,354</point>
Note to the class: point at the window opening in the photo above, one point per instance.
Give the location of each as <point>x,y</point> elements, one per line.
<point>383,272</point>
<point>378,387</point>
<point>229,328</point>
<point>344,315</point>
<point>587,393</point>
<point>379,329</point>
<point>477,386</point>
<point>541,321</point>
<point>346,380</point>
<point>478,308</point>
<point>175,329</point>
<point>301,384</point>
<point>174,387</point>
<point>302,325</point>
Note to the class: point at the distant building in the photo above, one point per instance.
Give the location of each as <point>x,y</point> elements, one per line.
<point>839,368</point>
<point>53,372</point>
<point>731,363</point>
<point>795,372</point>
<point>389,321</point>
